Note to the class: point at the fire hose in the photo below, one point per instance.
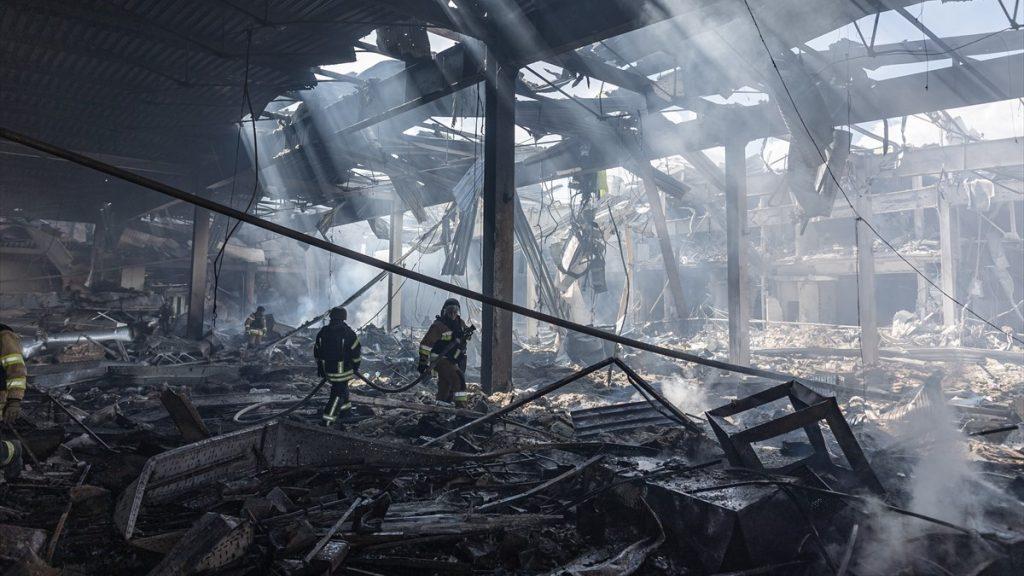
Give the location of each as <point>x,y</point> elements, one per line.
<point>238,416</point>
<point>444,352</point>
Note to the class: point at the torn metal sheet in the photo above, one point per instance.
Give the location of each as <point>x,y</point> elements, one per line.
<point>169,475</point>
<point>809,409</point>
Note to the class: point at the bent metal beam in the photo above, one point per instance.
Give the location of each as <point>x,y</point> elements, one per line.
<point>219,208</point>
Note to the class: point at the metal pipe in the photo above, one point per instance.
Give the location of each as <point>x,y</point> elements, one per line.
<point>31,346</point>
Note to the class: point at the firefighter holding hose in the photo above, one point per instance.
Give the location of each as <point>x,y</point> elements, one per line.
<point>445,346</point>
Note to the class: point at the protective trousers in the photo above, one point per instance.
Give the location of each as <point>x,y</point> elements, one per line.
<point>255,337</point>
<point>338,402</point>
<point>451,384</point>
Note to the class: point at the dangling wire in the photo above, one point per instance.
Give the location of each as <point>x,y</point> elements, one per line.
<point>218,262</point>
<point>846,197</point>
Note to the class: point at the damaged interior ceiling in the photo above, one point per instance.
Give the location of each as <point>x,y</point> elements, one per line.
<point>554,287</point>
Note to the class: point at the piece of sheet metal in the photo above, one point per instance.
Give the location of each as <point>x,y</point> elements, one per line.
<point>168,476</point>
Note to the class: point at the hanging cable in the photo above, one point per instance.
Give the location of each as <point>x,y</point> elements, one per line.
<point>218,261</point>
<point>846,197</point>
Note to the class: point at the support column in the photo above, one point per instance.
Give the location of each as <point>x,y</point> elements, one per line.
<point>922,286</point>
<point>737,243</point>
<point>668,255</point>
<point>197,282</point>
<point>949,244</point>
<point>498,225</point>
<point>249,289</point>
<point>531,303</point>
<point>99,246</point>
<point>394,281</point>
<point>866,286</point>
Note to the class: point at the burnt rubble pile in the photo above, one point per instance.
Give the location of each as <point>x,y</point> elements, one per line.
<point>143,465</point>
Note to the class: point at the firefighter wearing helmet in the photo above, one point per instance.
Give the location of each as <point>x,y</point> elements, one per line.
<point>444,348</point>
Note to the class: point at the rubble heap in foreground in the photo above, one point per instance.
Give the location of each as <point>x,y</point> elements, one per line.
<point>166,469</point>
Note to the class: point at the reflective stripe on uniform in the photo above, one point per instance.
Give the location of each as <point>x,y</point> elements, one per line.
<point>331,414</point>
<point>356,343</point>
<point>16,383</point>
<point>425,349</point>
<point>340,376</point>
<point>11,359</point>
<point>8,455</point>
<point>446,335</point>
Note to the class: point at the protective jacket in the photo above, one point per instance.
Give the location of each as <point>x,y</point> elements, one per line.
<point>450,365</point>
<point>13,375</point>
<point>256,325</point>
<point>337,351</point>
<point>442,333</point>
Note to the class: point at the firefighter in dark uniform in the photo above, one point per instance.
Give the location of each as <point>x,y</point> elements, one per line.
<point>449,360</point>
<point>256,327</point>
<point>13,378</point>
<point>337,352</point>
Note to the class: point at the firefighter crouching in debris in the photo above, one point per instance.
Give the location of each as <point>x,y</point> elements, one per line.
<point>256,327</point>
<point>445,346</point>
<point>13,377</point>
<point>337,352</point>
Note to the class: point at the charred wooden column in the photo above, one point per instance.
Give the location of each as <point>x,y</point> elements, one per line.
<point>498,224</point>
<point>197,282</point>
<point>394,282</point>
<point>866,285</point>
<point>738,246</point>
